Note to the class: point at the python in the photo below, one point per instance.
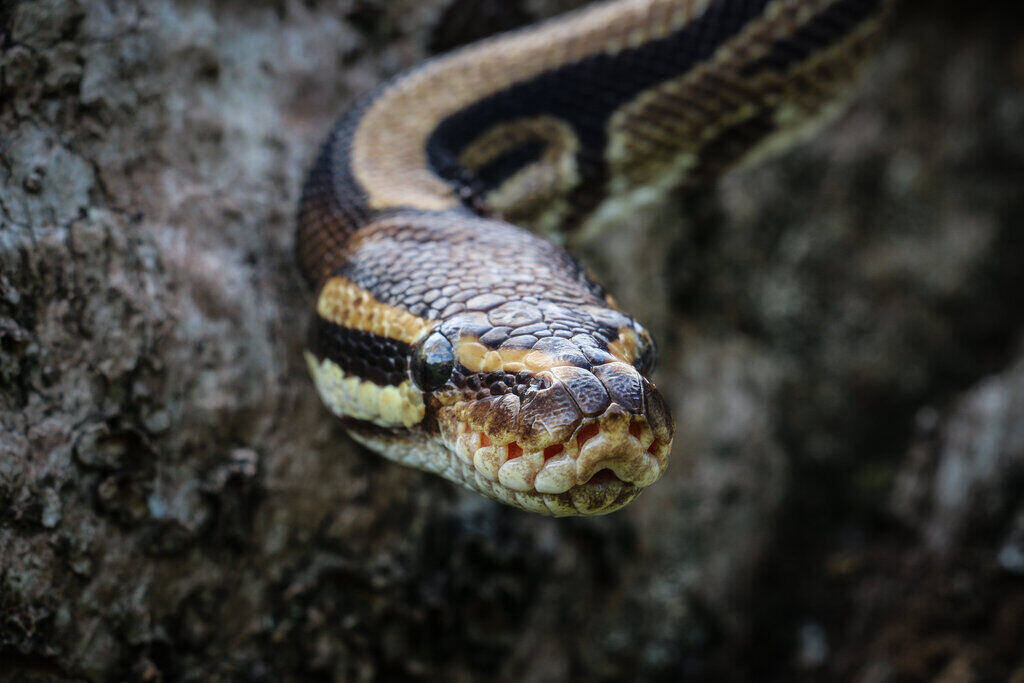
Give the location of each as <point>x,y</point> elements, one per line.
<point>449,336</point>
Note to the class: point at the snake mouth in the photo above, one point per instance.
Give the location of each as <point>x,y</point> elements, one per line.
<point>566,441</point>
<point>601,467</point>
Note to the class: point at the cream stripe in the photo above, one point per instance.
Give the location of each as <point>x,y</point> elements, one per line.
<point>476,357</point>
<point>345,303</point>
<point>389,149</point>
<point>351,396</point>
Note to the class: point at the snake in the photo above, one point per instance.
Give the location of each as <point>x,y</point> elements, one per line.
<point>448,333</point>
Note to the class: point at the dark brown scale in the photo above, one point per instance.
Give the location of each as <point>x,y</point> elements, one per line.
<point>495,337</point>
<point>589,393</point>
<point>624,388</point>
<point>532,329</point>
<point>549,413</point>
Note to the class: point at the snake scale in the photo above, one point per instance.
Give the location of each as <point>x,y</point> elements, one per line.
<point>447,335</point>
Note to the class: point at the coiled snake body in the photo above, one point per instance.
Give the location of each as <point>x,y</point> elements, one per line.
<point>451,340</point>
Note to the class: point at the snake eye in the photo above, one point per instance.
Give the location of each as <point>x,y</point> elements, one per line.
<point>432,362</point>
<point>646,351</point>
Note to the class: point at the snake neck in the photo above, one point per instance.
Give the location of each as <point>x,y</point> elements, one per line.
<point>552,126</point>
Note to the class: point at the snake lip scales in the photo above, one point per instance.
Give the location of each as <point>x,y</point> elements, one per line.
<point>450,337</point>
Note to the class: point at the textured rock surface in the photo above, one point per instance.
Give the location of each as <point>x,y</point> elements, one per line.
<point>840,329</point>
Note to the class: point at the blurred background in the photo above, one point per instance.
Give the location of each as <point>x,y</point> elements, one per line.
<point>841,341</point>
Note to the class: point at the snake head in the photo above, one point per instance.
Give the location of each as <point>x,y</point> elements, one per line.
<point>548,407</point>
<point>514,374</point>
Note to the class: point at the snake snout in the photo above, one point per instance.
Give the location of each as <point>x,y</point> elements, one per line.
<point>623,446</point>
<point>594,436</point>
<point>624,435</point>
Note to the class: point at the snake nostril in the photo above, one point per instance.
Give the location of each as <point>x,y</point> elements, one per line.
<point>604,476</point>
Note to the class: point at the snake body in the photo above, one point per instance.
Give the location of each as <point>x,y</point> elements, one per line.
<point>447,335</point>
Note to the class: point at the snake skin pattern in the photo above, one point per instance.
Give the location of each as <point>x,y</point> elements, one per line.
<point>449,339</point>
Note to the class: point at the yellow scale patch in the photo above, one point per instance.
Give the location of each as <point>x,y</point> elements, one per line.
<point>349,305</point>
<point>350,396</point>
<point>476,357</point>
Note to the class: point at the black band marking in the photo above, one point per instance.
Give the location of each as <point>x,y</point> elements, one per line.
<point>504,166</point>
<point>365,355</point>
<point>605,81</point>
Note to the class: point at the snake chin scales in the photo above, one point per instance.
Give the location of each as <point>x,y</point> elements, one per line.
<point>602,466</point>
<point>446,334</point>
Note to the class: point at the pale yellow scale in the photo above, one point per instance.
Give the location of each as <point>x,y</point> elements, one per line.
<point>350,396</point>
